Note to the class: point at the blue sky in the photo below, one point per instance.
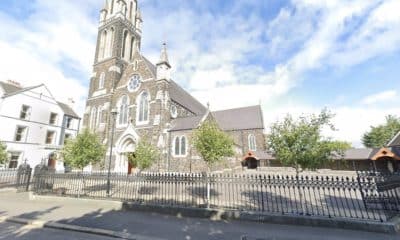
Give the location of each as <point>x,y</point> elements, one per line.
<point>294,56</point>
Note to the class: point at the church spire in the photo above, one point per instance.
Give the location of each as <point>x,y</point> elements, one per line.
<point>163,66</point>
<point>105,6</point>
<point>164,56</point>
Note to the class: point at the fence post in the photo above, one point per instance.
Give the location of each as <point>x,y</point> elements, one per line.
<point>28,181</point>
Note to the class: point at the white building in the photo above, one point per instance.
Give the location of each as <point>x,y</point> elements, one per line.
<point>34,125</point>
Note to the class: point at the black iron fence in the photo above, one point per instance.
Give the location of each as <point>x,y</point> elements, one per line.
<point>332,197</point>
<point>16,178</point>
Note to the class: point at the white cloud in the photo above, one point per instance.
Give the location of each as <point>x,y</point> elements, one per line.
<point>351,122</point>
<point>381,97</point>
<point>56,35</point>
<point>210,52</point>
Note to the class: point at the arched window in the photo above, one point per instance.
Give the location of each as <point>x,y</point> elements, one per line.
<point>93,115</point>
<point>130,10</point>
<point>110,43</point>
<point>112,6</point>
<point>132,47</point>
<point>183,145</point>
<point>124,39</point>
<point>102,44</point>
<point>180,146</point>
<point>123,110</point>
<point>99,118</point>
<point>177,147</point>
<point>252,142</point>
<point>143,110</point>
<point>102,80</point>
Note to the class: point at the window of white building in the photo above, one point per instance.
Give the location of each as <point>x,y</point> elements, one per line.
<point>252,142</point>
<point>21,134</point>
<point>68,122</point>
<point>67,137</point>
<point>14,160</point>
<point>53,118</point>
<point>25,112</point>
<point>50,136</point>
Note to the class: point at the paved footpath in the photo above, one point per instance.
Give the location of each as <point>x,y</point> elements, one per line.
<point>106,215</point>
<point>11,231</point>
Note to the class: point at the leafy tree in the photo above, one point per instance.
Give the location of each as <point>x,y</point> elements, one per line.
<point>212,143</point>
<point>3,153</point>
<point>299,143</point>
<point>144,156</point>
<point>380,135</point>
<point>85,149</point>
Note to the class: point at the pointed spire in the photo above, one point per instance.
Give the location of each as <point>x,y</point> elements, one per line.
<point>164,56</point>
<point>105,6</point>
<point>139,14</point>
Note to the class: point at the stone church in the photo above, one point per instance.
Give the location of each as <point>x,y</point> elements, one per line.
<point>150,104</point>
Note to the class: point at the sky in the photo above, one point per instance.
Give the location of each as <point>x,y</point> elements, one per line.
<point>296,57</point>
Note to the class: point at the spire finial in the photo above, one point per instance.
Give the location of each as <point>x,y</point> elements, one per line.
<point>164,55</point>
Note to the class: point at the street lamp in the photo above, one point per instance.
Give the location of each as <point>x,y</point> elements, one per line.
<point>114,113</point>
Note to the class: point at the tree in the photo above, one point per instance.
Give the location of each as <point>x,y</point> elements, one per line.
<point>380,135</point>
<point>3,153</point>
<point>85,149</point>
<point>212,143</point>
<point>299,143</point>
<point>144,156</point>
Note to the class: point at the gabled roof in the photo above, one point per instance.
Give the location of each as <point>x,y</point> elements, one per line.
<point>11,90</point>
<point>240,118</point>
<point>395,141</point>
<point>187,123</point>
<point>183,98</point>
<point>68,110</point>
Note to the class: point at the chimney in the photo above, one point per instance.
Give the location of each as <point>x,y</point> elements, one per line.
<point>71,103</point>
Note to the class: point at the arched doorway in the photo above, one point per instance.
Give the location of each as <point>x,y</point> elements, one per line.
<point>52,160</point>
<point>250,161</point>
<point>126,146</point>
<point>126,150</point>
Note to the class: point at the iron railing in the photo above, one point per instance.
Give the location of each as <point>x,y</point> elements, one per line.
<point>332,197</point>
<point>15,178</point>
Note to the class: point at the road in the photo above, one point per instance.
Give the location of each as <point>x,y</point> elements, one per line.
<point>12,231</point>
<point>106,215</point>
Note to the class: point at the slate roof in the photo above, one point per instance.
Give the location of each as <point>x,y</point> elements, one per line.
<point>186,123</point>
<point>396,150</point>
<point>395,141</point>
<point>263,155</point>
<point>151,66</point>
<point>360,153</point>
<point>68,110</point>
<point>240,118</point>
<point>9,88</point>
<point>183,98</point>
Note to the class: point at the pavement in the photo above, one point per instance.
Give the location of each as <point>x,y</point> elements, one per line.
<point>11,231</point>
<point>107,216</point>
